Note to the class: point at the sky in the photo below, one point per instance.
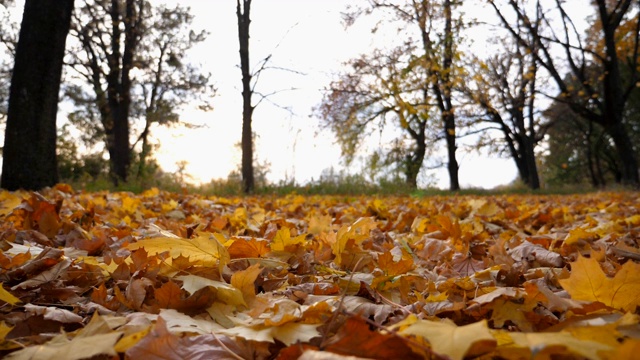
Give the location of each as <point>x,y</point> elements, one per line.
<point>308,38</point>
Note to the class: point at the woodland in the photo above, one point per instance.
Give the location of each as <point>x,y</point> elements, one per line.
<point>554,90</point>
<point>367,266</point>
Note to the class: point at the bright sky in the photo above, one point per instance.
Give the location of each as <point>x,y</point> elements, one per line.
<point>305,36</point>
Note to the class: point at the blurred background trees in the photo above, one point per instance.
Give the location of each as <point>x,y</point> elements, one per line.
<point>561,99</point>
<point>130,60</point>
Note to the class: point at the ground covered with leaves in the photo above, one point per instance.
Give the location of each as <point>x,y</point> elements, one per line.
<point>177,276</point>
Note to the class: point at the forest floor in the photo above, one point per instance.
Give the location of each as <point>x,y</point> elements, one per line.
<point>161,275</point>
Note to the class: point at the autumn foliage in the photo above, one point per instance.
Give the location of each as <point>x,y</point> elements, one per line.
<point>167,276</point>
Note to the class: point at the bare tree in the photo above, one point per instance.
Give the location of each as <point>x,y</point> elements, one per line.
<point>243,12</point>
<point>504,88</point>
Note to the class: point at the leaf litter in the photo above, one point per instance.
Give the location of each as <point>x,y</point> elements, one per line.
<point>160,275</point>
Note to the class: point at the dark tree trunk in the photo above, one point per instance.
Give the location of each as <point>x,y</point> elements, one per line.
<point>119,87</point>
<point>626,153</point>
<point>533,180</point>
<point>452,166</point>
<point>29,154</point>
<point>243,12</point>
<point>442,86</point>
<point>614,97</point>
<point>448,114</point>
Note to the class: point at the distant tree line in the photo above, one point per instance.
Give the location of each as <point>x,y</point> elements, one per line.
<point>546,82</point>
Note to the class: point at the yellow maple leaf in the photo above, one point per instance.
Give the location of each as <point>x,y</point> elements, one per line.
<point>204,250</point>
<point>451,340</point>
<point>4,330</point>
<point>588,282</point>
<point>224,292</point>
<point>8,297</point>
<point>504,310</point>
<point>80,347</point>
<point>244,281</point>
<point>288,333</point>
<point>578,234</point>
<point>319,223</point>
<point>130,204</point>
<point>130,340</point>
<point>356,232</point>
<point>9,201</point>
<point>283,239</point>
<point>628,350</point>
<point>538,341</point>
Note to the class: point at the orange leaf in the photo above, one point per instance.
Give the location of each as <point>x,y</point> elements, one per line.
<point>397,263</point>
<point>251,248</point>
<point>357,339</point>
<point>244,281</point>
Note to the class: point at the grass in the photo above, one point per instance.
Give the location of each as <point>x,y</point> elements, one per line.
<point>341,185</point>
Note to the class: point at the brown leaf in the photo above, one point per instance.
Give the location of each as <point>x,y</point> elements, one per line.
<point>160,344</point>
<point>356,338</point>
<point>528,252</point>
<point>46,259</point>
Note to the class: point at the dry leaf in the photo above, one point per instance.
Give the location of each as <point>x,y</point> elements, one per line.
<point>588,282</point>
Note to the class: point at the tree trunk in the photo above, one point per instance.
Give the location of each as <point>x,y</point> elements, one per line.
<point>414,161</point>
<point>614,98</point>
<point>626,153</point>
<point>29,154</point>
<point>452,166</point>
<point>533,180</point>
<point>119,86</point>
<point>442,87</point>
<point>243,13</point>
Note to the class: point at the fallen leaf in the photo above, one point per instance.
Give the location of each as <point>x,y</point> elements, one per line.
<point>62,348</point>
<point>288,333</point>
<point>177,322</point>
<point>356,338</point>
<point>528,252</point>
<point>204,250</point>
<point>160,344</point>
<point>244,281</point>
<point>588,282</point>
<point>536,342</point>
<point>8,297</point>
<point>53,313</point>
<point>448,339</point>
<point>224,292</point>
<point>248,248</point>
